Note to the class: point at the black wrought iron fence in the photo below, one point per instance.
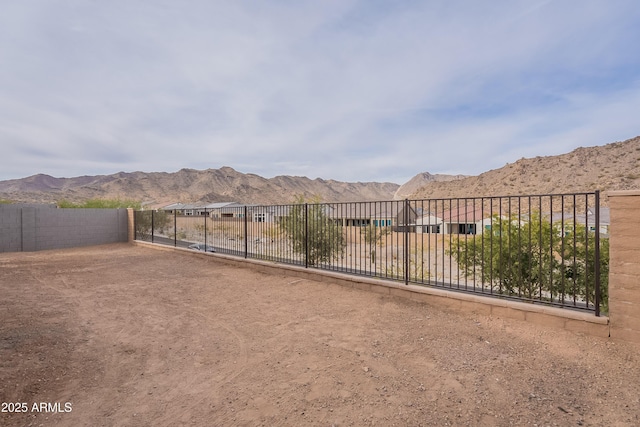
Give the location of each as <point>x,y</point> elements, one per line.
<point>550,249</point>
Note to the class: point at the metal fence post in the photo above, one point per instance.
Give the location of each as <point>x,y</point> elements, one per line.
<point>205,229</point>
<point>246,234</point>
<point>175,227</point>
<point>406,241</point>
<point>152,229</point>
<point>597,253</point>
<point>306,235</point>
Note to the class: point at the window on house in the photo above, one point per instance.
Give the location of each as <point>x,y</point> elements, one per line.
<point>466,229</point>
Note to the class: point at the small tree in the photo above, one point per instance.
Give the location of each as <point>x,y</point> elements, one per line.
<point>373,237</point>
<point>148,221</point>
<point>312,233</point>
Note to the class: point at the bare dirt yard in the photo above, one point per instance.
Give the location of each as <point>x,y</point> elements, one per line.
<point>122,335</point>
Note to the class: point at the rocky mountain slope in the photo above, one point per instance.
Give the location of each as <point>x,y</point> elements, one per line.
<point>410,187</point>
<point>188,186</point>
<point>614,166</point>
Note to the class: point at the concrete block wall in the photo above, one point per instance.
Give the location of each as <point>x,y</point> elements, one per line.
<point>36,228</point>
<point>624,265</point>
<point>28,229</point>
<point>10,228</point>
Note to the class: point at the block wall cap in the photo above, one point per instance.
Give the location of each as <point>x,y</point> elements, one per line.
<point>623,193</point>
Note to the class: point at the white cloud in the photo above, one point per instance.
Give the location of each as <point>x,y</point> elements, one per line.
<point>340,90</point>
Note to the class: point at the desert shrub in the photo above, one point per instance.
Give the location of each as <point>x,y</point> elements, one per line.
<point>312,233</point>
<point>535,258</point>
<point>101,204</point>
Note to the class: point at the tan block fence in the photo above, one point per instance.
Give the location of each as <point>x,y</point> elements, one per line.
<point>624,265</point>
<point>623,321</point>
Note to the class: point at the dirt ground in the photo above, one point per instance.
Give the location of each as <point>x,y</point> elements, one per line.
<point>121,335</point>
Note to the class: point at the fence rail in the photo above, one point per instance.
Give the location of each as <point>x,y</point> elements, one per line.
<point>548,249</point>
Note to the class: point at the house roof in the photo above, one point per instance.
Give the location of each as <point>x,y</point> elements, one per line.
<point>588,218</point>
<point>464,214</point>
<point>184,206</point>
<point>219,205</point>
<point>367,210</point>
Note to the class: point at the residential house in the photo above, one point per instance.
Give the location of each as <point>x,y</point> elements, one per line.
<point>466,220</point>
<point>198,209</point>
<point>271,213</point>
<point>377,214</point>
<point>429,223</point>
<point>182,209</point>
<point>225,210</point>
<point>587,218</point>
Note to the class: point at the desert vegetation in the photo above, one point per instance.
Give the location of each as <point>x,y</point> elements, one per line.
<point>312,234</point>
<point>535,259</point>
<point>100,204</point>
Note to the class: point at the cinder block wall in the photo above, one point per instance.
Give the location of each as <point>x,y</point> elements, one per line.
<point>624,265</point>
<point>36,228</point>
<point>10,228</point>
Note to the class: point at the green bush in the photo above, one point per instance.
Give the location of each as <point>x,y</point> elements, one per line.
<point>527,258</point>
<point>145,221</point>
<point>312,233</point>
<point>101,204</point>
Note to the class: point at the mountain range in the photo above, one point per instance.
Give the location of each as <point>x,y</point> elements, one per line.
<point>614,166</point>
<point>189,186</point>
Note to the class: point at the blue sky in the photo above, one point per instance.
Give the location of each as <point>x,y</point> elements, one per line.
<point>347,90</point>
